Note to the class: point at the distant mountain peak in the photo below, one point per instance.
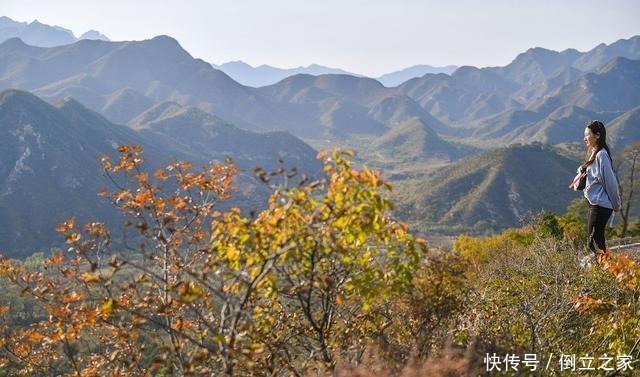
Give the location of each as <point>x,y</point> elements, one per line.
<point>15,95</point>
<point>13,42</point>
<point>236,63</point>
<point>540,50</point>
<point>163,38</point>
<point>164,42</point>
<point>95,35</point>
<point>40,34</point>
<point>265,75</point>
<point>570,51</point>
<point>20,99</point>
<point>465,69</point>
<point>618,63</point>
<point>398,77</point>
<point>6,22</point>
<point>538,54</point>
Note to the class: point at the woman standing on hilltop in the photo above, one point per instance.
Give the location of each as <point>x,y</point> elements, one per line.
<point>601,188</point>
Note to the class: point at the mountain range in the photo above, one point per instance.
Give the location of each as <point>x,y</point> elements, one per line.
<point>483,193</point>
<point>43,35</point>
<point>49,168</point>
<point>610,93</point>
<point>264,75</point>
<point>122,80</point>
<point>39,34</point>
<point>541,95</point>
<point>396,78</point>
<point>435,136</point>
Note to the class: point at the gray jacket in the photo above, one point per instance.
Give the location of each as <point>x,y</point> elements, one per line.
<point>602,187</point>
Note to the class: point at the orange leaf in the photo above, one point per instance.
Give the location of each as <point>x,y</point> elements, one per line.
<point>106,164</point>
<point>143,177</point>
<point>161,174</point>
<point>35,337</point>
<point>143,197</point>
<point>55,260</point>
<point>123,195</point>
<point>66,226</point>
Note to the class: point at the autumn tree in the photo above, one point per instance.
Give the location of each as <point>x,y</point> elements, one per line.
<point>198,291</point>
<point>626,189</point>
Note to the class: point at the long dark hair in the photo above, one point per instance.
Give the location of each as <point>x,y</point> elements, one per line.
<point>597,128</point>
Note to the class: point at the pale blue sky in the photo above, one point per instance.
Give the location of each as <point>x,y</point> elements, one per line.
<point>367,37</point>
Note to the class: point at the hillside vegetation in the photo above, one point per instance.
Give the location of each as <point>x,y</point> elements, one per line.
<point>322,281</point>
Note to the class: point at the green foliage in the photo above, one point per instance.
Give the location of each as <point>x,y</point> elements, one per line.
<point>574,221</point>
<point>547,225</point>
<point>616,231</point>
<point>34,262</point>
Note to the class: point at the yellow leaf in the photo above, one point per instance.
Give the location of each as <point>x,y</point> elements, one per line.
<point>73,237</point>
<point>107,307</point>
<point>89,278</point>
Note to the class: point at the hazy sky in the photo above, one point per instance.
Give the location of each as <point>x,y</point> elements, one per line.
<point>366,37</point>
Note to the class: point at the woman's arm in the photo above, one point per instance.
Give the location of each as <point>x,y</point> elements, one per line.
<point>609,180</point>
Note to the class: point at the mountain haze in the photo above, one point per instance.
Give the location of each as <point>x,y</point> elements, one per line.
<point>601,54</point>
<point>39,34</point>
<point>264,75</point>
<point>468,92</point>
<point>536,65</point>
<point>611,88</point>
<point>398,77</point>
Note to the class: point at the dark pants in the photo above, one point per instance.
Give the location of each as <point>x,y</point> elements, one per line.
<point>598,217</point>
